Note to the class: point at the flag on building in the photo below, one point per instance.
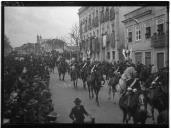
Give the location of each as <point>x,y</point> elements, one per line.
<point>112,40</point>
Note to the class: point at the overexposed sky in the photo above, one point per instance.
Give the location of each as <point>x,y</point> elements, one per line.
<point>22,24</point>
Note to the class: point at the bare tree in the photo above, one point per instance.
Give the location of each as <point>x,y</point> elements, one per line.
<point>75,34</point>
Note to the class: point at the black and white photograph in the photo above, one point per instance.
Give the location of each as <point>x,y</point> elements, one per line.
<point>85,64</point>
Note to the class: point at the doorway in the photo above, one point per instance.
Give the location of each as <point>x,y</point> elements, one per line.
<point>160,60</point>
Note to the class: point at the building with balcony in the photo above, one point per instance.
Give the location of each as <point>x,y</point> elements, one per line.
<point>146,30</point>
<point>102,32</point>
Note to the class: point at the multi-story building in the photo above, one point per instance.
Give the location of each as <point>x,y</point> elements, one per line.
<point>147,35</point>
<point>48,45</point>
<point>102,32</point>
<point>28,48</point>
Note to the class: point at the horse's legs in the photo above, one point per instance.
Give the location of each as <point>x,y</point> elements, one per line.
<point>152,111</point>
<point>76,82</point>
<point>84,84</point>
<point>109,93</point>
<point>97,98</point>
<point>63,76</point>
<point>124,116</point>
<point>89,91</point>
<point>113,90</point>
<point>59,76</point>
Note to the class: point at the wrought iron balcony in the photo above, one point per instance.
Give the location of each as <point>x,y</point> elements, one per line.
<point>159,40</point>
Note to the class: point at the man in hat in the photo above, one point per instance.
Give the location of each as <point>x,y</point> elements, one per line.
<point>78,111</point>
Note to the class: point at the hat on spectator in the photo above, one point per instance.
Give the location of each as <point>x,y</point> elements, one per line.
<point>77,101</point>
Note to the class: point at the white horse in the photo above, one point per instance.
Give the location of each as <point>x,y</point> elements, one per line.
<point>129,73</point>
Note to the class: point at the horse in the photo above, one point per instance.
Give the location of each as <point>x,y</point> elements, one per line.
<point>134,105</point>
<point>113,81</point>
<point>163,117</point>
<point>62,69</point>
<point>94,79</point>
<point>74,76</point>
<point>157,99</point>
<point>84,74</point>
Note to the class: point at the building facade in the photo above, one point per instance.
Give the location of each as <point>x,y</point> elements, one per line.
<point>100,33</point>
<point>146,30</point>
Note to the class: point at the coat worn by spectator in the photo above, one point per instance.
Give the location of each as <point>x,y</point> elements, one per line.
<point>78,112</point>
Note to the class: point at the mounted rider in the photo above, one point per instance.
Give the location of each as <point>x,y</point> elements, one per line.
<point>86,65</point>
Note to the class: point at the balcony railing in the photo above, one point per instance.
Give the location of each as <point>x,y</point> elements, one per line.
<point>159,40</point>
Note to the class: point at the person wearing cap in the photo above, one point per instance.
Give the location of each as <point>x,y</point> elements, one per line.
<point>77,112</point>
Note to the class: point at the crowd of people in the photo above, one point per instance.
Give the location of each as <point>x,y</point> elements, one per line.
<point>26,95</point>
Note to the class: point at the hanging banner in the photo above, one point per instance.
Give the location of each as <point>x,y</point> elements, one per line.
<point>104,41</point>
<point>112,40</point>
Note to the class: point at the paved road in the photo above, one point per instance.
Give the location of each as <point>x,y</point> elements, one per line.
<point>63,94</point>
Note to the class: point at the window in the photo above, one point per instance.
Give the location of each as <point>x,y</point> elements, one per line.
<point>108,55</point>
<point>160,29</point>
<point>148,32</point>
<point>112,27</point>
<point>113,55</point>
<point>129,36</point>
<point>137,33</point>
<point>97,32</point>
<point>160,26</point>
<point>160,60</point>
<point>147,58</point>
<point>138,57</point>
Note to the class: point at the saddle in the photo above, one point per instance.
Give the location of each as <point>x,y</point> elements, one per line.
<point>128,99</point>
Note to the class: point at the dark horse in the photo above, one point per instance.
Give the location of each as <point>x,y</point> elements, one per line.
<point>113,81</point>
<point>94,80</point>
<point>157,99</point>
<point>62,69</point>
<point>157,92</point>
<point>133,102</point>
<point>84,70</point>
<point>134,105</point>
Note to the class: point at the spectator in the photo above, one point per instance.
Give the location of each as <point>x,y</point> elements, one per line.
<point>78,112</point>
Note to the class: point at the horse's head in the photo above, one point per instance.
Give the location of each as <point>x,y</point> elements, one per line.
<point>142,102</point>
